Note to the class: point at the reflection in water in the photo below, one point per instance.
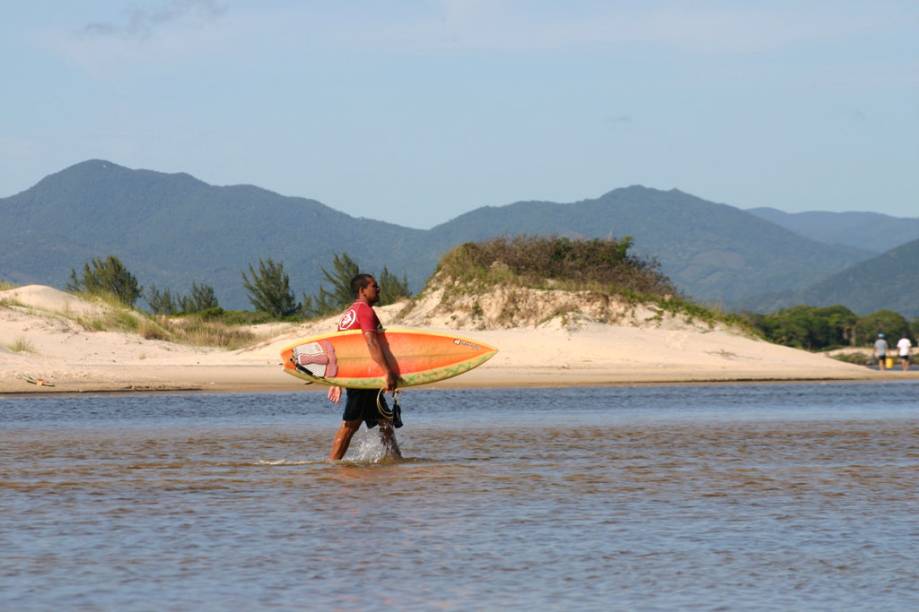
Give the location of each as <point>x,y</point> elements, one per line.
<point>759,496</point>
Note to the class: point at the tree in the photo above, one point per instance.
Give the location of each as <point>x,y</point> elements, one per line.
<point>201,298</point>
<point>335,294</point>
<point>106,277</point>
<point>391,288</point>
<point>808,327</point>
<point>842,322</point>
<point>161,302</point>
<point>269,289</point>
<point>887,322</point>
<point>340,295</point>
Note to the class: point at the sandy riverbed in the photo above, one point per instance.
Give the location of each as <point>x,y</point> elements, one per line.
<point>41,342</point>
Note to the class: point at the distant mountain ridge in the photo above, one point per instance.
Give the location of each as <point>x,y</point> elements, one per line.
<point>173,229</point>
<point>868,231</point>
<point>889,281</point>
<point>718,253</point>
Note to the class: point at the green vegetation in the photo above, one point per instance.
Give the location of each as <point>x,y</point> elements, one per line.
<point>4,285</point>
<point>855,358</point>
<point>604,267</point>
<point>117,317</point>
<point>160,302</point>
<point>711,251</point>
<point>21,345</point>
<point>819,328</point>
<point>557,263</point>
<point>888,322</point>
<point>269,289</point>
<point>106,277</point>
<point>392,288</point>
<point>201,298</point>
<point>808,327</point>
<point>194,329</point>
<point>197,318</point>
<point>233,317</point>
<point>339,294</point>
<point>197,331</point>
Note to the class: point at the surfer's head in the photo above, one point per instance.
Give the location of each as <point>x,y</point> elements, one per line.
<point>365,286</point>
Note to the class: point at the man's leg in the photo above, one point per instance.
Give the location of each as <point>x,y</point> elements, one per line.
<point>881,362</point>
<point>388,438</point>
<point>343,439</point>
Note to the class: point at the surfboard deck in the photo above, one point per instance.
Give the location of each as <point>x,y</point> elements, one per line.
<point>421,357</point>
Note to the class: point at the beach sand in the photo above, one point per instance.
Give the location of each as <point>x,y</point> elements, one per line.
<point>42,344</point>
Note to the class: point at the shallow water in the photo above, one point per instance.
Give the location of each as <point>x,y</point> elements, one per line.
<point>733,496</point>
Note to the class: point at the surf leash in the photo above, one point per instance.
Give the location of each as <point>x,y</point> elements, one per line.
<point>393,414</point>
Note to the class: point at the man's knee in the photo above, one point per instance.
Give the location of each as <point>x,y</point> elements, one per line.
<point>351,426</point>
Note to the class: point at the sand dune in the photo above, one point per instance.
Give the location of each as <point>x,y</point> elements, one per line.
<point>44,341</point>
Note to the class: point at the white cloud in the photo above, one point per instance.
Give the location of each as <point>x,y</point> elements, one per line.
<point>170,32</point>
<point>144,23</point>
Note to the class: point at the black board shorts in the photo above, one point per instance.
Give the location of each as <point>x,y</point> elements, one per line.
<point>361,404</point>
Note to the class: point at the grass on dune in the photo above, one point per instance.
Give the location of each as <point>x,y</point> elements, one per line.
<point>21,345</point>
<point>192,330</point>
<point>188,330</point>
<point>601,266</point>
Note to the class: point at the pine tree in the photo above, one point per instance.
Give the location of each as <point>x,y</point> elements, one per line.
<point>339,295</point>
<point>161,302</point>
<point>201,298</point>
<point>391,288</point>
<point>269,289</point>
<point>106,277</point>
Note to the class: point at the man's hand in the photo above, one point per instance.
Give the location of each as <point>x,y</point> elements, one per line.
<point>334,394</point>
<point>391,380</point>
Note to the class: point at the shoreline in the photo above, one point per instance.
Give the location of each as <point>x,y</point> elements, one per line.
<point>484,380</point>
<point>44,350</point>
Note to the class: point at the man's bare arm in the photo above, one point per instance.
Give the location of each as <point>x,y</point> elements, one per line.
<point>377,354</point>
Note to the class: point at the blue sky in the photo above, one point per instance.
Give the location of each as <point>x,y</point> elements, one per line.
<point>416,111</point>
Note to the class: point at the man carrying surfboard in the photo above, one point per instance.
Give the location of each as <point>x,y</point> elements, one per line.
<point>365,405</point>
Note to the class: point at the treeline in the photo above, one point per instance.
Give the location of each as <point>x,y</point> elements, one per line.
<point>817,328</point>
<point>267,285</point>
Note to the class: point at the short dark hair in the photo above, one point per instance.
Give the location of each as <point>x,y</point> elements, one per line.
<point>360,281</point>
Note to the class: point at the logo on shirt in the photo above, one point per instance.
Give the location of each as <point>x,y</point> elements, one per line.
<point>347,319</point>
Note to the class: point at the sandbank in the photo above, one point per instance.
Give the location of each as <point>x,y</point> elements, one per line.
<point>44,349</point>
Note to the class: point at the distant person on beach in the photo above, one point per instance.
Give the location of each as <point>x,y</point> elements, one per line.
<point>903,347</point>
<point>366,405</point>
<point>880,351</point>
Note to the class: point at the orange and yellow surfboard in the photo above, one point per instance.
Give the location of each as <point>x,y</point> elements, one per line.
<point>421,357</point>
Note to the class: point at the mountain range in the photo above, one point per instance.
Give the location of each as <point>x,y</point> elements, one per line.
<point>889,281</point>
<point>173,229</point>
<point>868,231</point>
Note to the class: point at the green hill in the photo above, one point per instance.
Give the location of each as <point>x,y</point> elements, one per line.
<point>172,230</point>
<point>714,252</point>
<point>869,231</point>
<point>889,281</point>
